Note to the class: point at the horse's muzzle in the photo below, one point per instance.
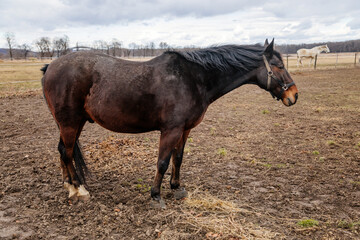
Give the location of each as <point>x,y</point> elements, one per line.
<point>290,96</point>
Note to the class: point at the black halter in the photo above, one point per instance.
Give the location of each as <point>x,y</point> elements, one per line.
<point>271,75</point>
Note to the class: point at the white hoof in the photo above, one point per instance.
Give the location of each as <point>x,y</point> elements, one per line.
<point>77,193</point>
<point>83,194</point>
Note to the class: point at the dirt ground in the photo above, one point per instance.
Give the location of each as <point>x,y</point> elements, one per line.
<point>254,169</point>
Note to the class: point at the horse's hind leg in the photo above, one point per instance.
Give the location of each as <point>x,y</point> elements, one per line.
<point>177,156</point>
<point>72,181</point>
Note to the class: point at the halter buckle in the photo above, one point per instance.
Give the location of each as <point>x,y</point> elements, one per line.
<point>285,87</point>
<point>270,73</point>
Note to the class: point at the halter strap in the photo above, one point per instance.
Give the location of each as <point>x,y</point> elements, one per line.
<point>269,72</point>
<point>271,75</point>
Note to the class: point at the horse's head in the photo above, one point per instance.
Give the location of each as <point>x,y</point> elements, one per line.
<point>273,77</point>
<point>326,48</point>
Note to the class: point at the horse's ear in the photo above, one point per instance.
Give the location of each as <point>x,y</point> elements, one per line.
<point>266,43</point>
<point>269,49</point>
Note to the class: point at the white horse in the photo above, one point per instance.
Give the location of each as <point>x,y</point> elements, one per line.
<point>310,53</point>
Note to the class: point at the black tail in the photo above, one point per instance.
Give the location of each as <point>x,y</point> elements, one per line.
<point>81,168</point>
<point>44,68</point>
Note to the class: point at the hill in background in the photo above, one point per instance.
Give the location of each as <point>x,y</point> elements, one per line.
<point>3,51</point>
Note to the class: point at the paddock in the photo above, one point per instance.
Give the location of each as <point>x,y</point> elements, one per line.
<point>272,169</point>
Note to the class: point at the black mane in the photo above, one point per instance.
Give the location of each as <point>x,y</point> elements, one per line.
<point>223,58</point>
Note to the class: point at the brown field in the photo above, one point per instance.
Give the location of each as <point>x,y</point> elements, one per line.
<point>254,169</point>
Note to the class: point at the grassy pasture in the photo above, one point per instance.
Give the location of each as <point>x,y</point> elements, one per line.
<point>324,61</point>
<point>17,77</point>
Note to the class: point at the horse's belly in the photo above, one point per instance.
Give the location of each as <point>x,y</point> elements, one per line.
<point>123,117</point>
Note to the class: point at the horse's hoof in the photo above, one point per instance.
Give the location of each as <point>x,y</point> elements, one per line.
<point>72,191</point>
<point>180,193</point>
<point>76,194</point>
<point>158,204</point>
<point>83,194</point>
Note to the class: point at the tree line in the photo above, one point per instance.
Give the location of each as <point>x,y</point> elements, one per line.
<point>346,46</point>
<point>45,47</point>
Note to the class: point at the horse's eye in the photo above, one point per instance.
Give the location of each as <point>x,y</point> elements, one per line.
<point>279,66</point>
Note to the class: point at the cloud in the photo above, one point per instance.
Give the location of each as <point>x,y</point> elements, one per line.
<point>354,24</point>
<point>185,22</point>
<point>311,9</point>
<point>59,13</point>
<point>108,12</point>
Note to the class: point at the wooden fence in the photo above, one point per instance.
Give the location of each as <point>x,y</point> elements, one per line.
<point>323,61</point>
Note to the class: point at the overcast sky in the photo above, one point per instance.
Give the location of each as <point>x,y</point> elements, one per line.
<point>181,22</point>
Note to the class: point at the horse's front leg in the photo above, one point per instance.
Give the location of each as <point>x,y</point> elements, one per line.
<point>168,140</point>
<point>300,60</point>
<point>177,156</point>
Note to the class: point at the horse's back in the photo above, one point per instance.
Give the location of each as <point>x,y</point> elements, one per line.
<point>301,51</point>
<point>306,53</point>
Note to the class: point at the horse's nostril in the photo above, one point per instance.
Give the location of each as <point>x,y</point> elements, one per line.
<point>296,96</point>
<point>289,102</point>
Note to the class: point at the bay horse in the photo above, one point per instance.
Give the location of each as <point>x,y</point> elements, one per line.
<point>310,53</point>
<point>169,93</point>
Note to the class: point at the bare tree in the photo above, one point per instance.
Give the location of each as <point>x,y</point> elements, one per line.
<point>107,47</point>
<point>10,39</point>
<point>65,44</point>
<point>25,49</point>
<point>97,45</point>
<point>133,46</point>
<point>163,45</point>
<point>127,52</point>
<point>61,45</point>
<point>152,48</point>
<point>102,45</point>
<point>143,50</point>
<point>57,46</point>
<point>40,47</point>
<point>44,46</point>
<point>116,45</point>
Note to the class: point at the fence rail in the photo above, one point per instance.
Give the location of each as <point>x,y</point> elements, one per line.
<point>323,61</point>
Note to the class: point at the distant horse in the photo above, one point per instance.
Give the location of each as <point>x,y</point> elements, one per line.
<point>169,93</point>
<point>310,53</point>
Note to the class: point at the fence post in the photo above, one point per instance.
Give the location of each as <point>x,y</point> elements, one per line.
<point>315,61</point>
<point>355,60</point>
<point>287,61</point>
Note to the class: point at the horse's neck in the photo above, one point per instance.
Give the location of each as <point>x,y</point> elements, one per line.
<point>226,83</point>
<point>318,49</point>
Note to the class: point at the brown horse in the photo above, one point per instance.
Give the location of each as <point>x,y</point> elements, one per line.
<point>169,93</point>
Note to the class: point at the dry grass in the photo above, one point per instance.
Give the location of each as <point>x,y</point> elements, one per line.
<point>20,77</point>
<point>324,61</point>
<point>221,219</point>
